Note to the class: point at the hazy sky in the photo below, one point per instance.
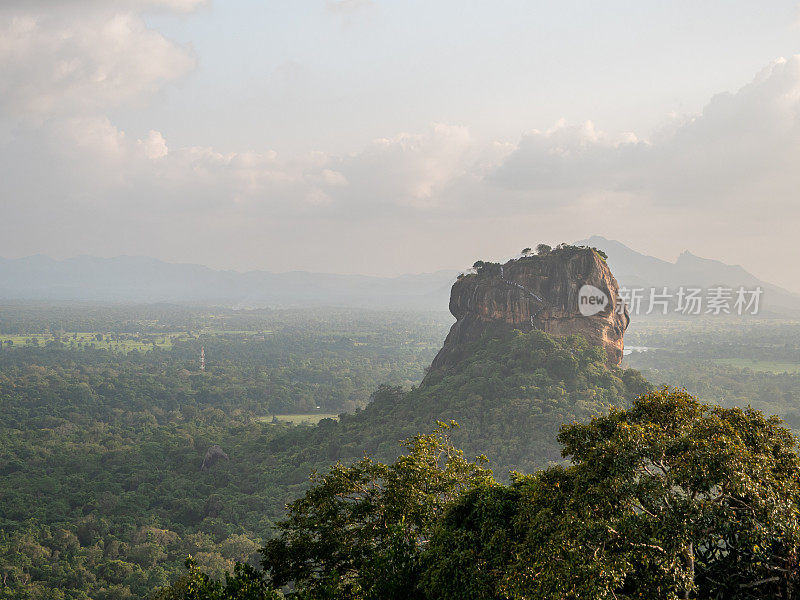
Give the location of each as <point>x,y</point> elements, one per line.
<point>386,137</point>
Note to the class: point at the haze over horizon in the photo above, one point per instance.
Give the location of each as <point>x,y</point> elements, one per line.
<point>599,240</point>
<point>220,134</point>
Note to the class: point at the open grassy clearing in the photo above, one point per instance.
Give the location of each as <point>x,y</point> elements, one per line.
<point>124,342</point>
<point>219,331</point>
<point>117,343</point>
<point>309,419</point>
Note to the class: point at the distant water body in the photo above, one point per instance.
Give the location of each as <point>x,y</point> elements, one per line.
<point>631,349</point>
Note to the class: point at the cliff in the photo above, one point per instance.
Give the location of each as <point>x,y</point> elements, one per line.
<point>550,292</point>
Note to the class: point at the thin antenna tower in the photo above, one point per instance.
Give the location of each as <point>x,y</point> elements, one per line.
<point>202,358</point>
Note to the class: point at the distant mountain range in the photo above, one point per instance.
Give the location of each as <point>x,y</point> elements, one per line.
<point>635,270</point>
<point>144,280</point>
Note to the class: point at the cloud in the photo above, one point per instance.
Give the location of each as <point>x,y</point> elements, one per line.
<point>174,5</point>
<point>63,60</point>
<point>743,146</point>
<point>733,165</point>
<point>407,171</point>
<point>576,157</point>
<point>154,145</point>
<point>92,138</point>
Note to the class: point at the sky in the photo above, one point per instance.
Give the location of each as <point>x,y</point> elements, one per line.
<point>386,136</point>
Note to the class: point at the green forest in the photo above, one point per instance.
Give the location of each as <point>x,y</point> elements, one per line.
<point>671,498</point>
<point>102,493</point>
<point>106,489</point>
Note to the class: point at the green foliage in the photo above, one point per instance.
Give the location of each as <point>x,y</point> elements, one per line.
<point>732,363</point>
<point>472,544</point>
<point>482,266</point>
<point>270,362</point>
<point>510,394</point>
<point>565,248</point>
<point>359,531</point>
<point>708,495</point>
<point>245,583</point>
<point>669,499</point>
<point>101,492</point>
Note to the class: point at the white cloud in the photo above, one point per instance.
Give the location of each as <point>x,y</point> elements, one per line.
<point>175,5</point>
<point>734,164</point>
<point>566,156</point>
<point>63,60</point>
<point>333,178</point>
<point>154,145</point>
<point>408,170</point>
<point>742,147</point>
<point>92,138</point>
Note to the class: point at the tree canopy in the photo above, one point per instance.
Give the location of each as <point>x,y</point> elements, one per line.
<point>669,499</point>
<point>359,532</point>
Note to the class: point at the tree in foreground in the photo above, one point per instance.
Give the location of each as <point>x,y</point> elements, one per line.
<point>669,499</point>
<point>245,583</point>
<point>360,530</point>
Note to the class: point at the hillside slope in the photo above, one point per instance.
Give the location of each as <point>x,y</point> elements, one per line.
<point>510,394</point>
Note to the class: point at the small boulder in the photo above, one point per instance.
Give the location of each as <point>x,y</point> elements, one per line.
<point>213,455</point>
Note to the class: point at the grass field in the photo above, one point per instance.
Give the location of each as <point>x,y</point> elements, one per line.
<point>218,331</point>
<point>118,342</point>
<point>310,419</point>
<point>123,343</point>
<point>760,365</point>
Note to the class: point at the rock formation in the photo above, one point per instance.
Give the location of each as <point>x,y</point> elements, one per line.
<point>213,455</point>
<point>536,292</point>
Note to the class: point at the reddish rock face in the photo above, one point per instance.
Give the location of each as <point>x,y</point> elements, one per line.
<point>537,292</point>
